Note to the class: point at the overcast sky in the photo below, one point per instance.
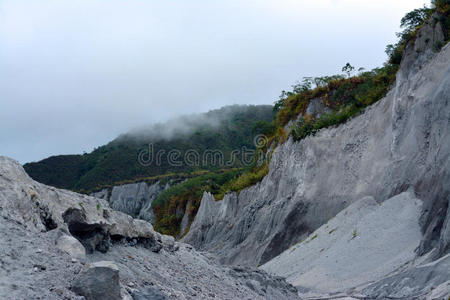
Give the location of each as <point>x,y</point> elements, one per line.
<point>74,74</point>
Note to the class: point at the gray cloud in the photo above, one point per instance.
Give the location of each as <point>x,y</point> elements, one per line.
<point>185,124</point>
<point>75,74</point>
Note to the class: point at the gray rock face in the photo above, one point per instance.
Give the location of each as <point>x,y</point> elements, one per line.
<point>103,194</point>
<point>424,47</point>
<point>37,221</point>
<point>316,108</point>
<point>71,246</point>
<point>134,199</point>
<point>401,143</point>
<point>365,243</point>
<point>185,220</point>
<point>148,293</point>
<point>99,282</point>
<point>425,281</point>
<point>258,281</point>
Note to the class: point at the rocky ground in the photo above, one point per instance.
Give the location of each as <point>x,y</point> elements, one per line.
<point>112,257</point>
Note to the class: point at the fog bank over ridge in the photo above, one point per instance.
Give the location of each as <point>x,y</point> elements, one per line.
<point>187,124</point>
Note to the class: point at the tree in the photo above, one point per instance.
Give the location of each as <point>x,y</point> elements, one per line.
<point>263,127</point>
<point>303,86</point>
<point>281,101</point>
<point>442,6</point>
<point>348,69</point>
<point>413,19</point>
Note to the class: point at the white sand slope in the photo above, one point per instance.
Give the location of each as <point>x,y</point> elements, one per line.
<point>362,244</point>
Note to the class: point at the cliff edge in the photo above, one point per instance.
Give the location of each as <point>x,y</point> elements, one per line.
<point>400,144</point>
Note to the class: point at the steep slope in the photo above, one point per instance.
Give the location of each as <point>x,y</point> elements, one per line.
<point>400,143</point>
<point>361,245</point>
<point>51,239</point>
<point>169,202</point>
<point>134,199</point>
<point>120,161</point>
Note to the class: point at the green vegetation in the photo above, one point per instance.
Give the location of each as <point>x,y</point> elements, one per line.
<point>117,162</point>
<point>62,171</point>
<point>172,178</point>
<point>346,97</point>
<point>170,205</point>
<point>247,179</point>
<point>410,24</point>
<point>412,21</point>
<point>348,69</point>
<point>263,127</point>
<point>442,7</point>
<point>311,239</point>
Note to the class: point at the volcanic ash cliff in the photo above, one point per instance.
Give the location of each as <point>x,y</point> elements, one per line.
<point>389,168</point>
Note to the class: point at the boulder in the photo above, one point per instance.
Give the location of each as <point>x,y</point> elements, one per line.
<point>71,246</point>
<point>148,293</point>
<point>100,281</point>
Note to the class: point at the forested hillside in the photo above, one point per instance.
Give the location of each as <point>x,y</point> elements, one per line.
<point>134,156</point>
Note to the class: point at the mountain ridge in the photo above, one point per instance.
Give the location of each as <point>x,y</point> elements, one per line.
<point>229,128</point>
